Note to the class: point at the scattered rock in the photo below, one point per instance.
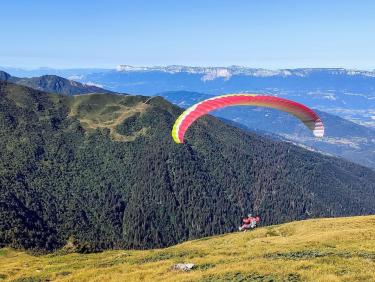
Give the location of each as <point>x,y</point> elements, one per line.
<point>184,266</point>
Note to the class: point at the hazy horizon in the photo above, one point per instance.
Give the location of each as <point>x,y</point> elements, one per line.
<point>261,34</point>
<point>2,67</point>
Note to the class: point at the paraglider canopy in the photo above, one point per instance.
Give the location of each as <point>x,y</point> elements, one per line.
<point>303,113</point>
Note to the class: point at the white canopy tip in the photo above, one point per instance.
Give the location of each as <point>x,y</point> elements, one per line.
<point>319,132</point>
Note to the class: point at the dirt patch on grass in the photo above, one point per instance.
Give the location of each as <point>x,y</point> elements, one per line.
<point>109,115</point>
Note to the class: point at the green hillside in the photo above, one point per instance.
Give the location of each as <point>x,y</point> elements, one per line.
<point>341,249</point>
<point>102,172</point>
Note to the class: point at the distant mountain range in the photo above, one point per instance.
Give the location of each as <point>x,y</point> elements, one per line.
<point>33,72</point>
<point>347,93</point>
<point>231,70</point>
<point>54,84</point>
<point>101,171</point>
<point>211,73</point>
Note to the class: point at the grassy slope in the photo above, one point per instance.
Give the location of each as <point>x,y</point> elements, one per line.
<point>341,249</point>
<point>107,111</point>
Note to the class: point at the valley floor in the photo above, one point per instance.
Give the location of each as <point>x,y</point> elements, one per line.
<point>340,249</point>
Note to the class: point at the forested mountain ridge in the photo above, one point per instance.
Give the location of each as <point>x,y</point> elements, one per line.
<point>343,138</point>
<point>347,93</point>
<point>67,175</point>
<point>54,84</point>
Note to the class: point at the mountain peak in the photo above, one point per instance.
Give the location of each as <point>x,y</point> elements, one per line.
<point>4,76</point>
<point>54,83</point>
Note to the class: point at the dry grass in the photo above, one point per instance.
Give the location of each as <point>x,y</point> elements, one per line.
<point>341,249</point>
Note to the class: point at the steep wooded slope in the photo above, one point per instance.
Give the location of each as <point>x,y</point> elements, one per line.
<point>66,174</point>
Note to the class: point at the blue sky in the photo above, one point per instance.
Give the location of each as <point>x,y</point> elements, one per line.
<point>262,33</point>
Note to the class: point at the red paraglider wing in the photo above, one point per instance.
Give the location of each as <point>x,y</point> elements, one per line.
<point>305,114</point>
